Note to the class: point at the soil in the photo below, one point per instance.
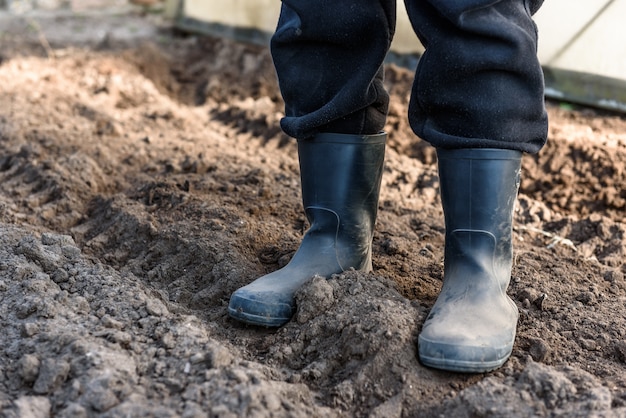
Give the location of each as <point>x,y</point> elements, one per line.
<point>143,178</point>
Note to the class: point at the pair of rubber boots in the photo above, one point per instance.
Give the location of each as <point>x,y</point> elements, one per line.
<point>471,327</point>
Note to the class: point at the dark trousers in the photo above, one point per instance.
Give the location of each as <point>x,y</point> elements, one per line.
<point>478,85</point>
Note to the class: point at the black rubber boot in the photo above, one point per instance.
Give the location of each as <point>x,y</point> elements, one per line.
<point>341,177</point>
<point>471,327</point>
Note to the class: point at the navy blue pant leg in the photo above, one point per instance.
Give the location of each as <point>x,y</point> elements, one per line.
<point>479,83</point>
<point>328,56</point>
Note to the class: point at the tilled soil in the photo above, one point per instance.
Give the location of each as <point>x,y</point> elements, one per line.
<point>143,179</point>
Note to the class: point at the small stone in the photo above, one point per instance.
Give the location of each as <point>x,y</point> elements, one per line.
<point>73,410</point>
<point>238,375</point>
<point>528,293</point>
<point>586,298</point>
<point>355,288</point>
<point>539,349</point>
<point>155,307</point>
<point>122,338</point>
<point>81,305</point>
<point>197,358</point>
<point>33,407</point>
<point>60,276</point>
<point>193,410</point>
<point>108,322</point>
<point>613,275</point>
<point>221,411</point>
<point>101,399</point>
<point>74,389</point>
<point>194,393</point>
<point>26,309</point>
<point>272,402</point>
<point>587,344</point>
<point>70,252</point>
<point>51,374</point>
<point>48,238</point>
<point>29,368</point>
<point>168,340</point>
<point>218,356</point>
<point>539,303</point>
<point>29,329</point>
<point>620,351</point>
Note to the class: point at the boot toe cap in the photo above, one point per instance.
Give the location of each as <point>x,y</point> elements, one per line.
<point>462,356</point>
<point>269,309</point>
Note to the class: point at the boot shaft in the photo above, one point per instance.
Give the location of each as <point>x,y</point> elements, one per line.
<point>341,176</point>
<point>478,193</point>
<point>341,171</point>
<point>479,187</point>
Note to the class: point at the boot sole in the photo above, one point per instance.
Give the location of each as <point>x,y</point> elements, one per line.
<point>259,320</point>
<point>449,358</point>
<point>462,366</point>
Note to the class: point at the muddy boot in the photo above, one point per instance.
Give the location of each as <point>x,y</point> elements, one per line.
<point>471,327</point>
<point>340,177</point>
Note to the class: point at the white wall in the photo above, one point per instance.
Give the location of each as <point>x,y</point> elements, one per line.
<point>569,39</point>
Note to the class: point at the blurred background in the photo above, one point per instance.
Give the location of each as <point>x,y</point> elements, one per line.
<point>581,44</point>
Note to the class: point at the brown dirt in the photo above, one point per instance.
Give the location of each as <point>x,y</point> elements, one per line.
<point>144,178</point>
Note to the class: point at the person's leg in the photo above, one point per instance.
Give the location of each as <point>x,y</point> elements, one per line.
<point>478,98</point>
<point>479,83</point>
<point>328,57</point>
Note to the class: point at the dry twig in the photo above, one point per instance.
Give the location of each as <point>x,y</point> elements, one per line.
<point>554,239</point>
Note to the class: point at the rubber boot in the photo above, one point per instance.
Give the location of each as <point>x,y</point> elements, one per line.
<point>471,327</point>
<point>341,177</point>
